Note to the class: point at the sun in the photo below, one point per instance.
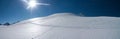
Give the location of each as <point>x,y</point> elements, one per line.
<point>31,4</point>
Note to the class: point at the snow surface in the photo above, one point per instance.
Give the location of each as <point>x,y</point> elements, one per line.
<point>63,26</point>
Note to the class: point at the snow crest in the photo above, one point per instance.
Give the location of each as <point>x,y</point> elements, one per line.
<point>71,20</point>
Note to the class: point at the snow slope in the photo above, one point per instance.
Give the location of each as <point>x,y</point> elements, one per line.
<point>64,26</point>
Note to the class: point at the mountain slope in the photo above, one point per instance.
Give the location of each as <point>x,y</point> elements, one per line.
<point>64,26</point>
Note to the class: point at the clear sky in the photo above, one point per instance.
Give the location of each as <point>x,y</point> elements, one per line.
<point>15,10</point>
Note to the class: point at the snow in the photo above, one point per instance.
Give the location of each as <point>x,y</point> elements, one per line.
<point>63,26</point>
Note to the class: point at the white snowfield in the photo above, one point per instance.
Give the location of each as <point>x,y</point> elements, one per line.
<point>63,26</point>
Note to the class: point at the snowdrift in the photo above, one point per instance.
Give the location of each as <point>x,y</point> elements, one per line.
<point>64,26</point>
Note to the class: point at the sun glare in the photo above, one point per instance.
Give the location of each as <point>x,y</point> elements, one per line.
<point>31,4</point>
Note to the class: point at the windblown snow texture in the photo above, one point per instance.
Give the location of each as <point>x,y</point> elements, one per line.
<point>63,26</point>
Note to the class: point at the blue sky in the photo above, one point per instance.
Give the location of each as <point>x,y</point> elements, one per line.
<point>14,10</point>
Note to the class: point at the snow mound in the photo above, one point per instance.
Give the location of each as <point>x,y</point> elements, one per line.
<point>71,20</point>
<point>63,26</point>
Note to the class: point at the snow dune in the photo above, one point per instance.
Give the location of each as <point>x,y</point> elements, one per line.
<point>64,26</point>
